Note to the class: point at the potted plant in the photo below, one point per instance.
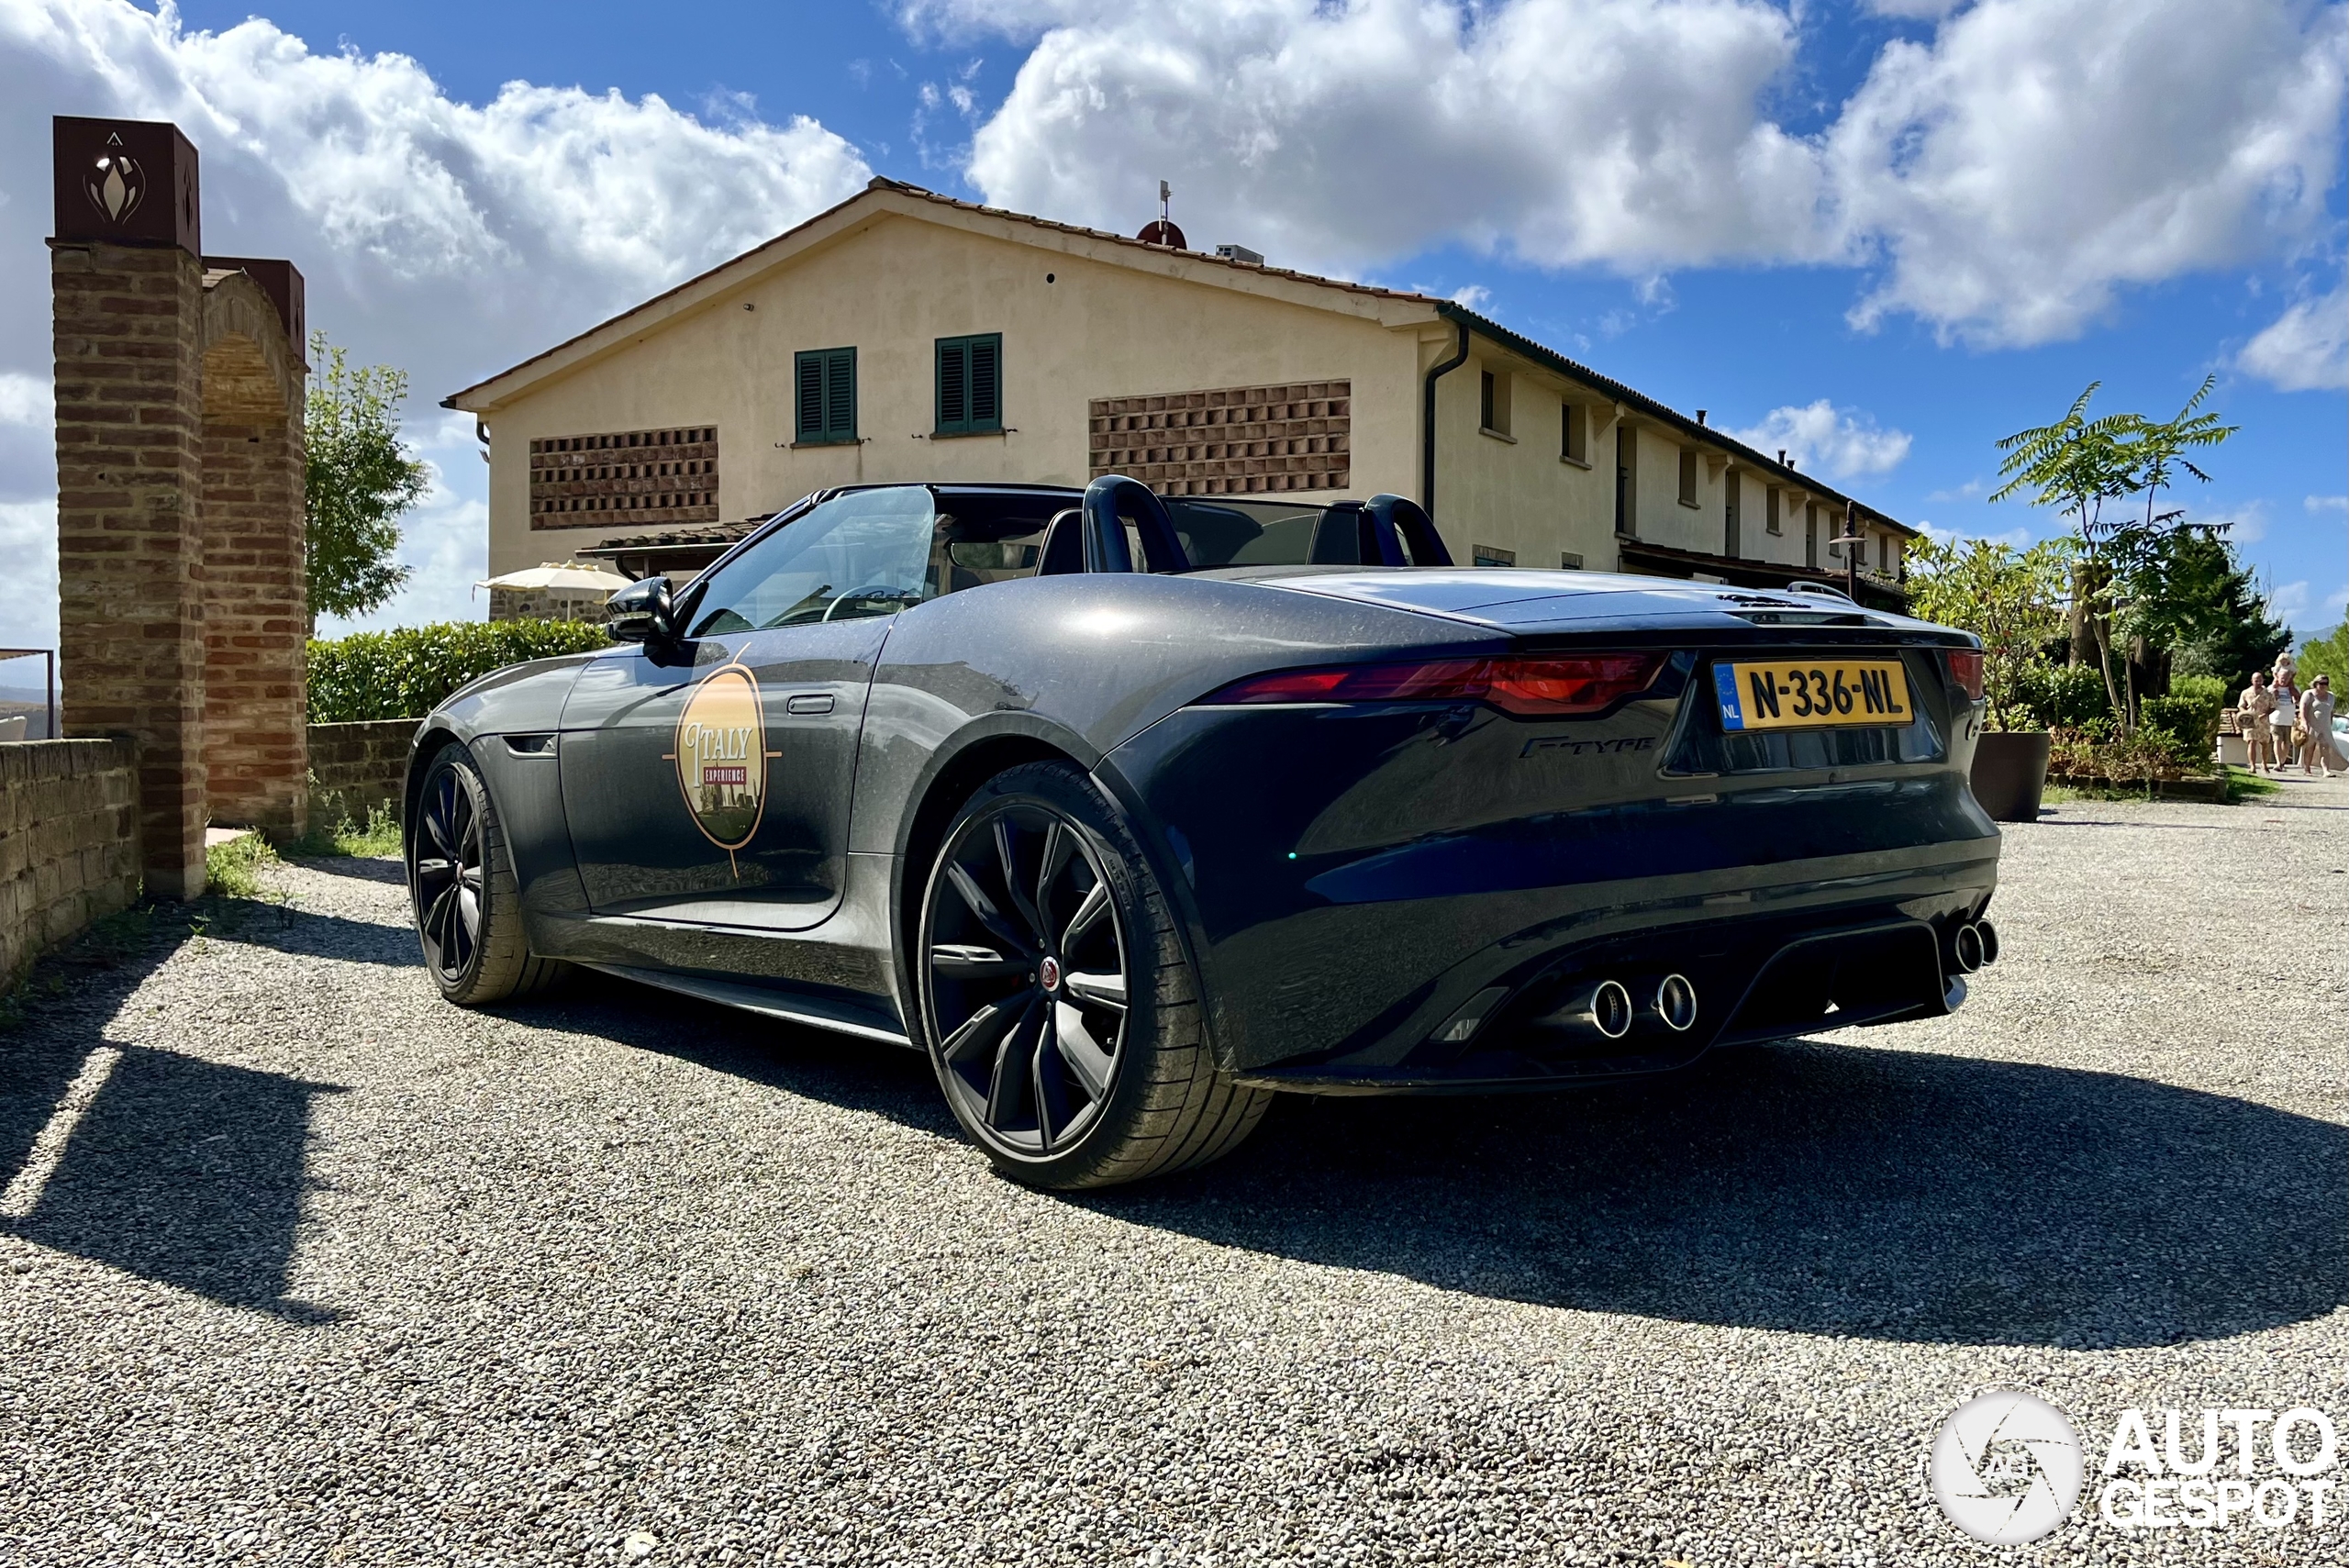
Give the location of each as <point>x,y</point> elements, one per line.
<point>2012,600</point>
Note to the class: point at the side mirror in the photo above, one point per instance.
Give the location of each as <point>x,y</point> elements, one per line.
<point>642,612</point>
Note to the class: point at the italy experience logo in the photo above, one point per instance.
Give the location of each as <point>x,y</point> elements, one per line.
<point>721,758</point>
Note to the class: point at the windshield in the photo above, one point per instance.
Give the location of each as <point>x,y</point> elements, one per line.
<point>1235,531</point>
<point>872,552</point>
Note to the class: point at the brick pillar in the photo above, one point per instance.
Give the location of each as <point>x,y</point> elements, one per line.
<point>256,615</point>
<point>129,537</point>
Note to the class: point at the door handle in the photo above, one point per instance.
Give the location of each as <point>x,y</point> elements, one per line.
<point>811,702</point>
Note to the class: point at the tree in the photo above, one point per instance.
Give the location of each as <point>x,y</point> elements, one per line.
<point>2203,607</point>
<point>2012,600</point>
<point>361,479</point>
<point>2326,655</point>
<point>2077,465</point>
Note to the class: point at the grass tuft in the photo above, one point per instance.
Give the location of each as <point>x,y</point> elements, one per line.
<point>233,870</point>
<point>379,835</point>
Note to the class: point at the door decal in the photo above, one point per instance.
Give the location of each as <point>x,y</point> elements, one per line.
<point>721,758</point>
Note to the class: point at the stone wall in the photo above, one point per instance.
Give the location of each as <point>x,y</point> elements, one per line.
<point>69,842</point>
<point>356,767</point>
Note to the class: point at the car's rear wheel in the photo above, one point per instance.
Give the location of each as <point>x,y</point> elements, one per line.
<point>1057,1005</point>
<point>461,881</point>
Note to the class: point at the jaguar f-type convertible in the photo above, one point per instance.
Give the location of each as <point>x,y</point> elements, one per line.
<point>1131,813</point>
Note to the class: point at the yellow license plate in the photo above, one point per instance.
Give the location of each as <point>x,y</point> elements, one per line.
<point>1812,694</point>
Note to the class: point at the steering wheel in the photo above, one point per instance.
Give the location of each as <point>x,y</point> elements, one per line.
<point>872,590</point>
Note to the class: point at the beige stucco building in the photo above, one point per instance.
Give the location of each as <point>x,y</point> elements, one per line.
<point>903,336</point>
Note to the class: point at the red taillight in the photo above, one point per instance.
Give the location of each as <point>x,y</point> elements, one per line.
<point>1966,668</point>
<point>1578,683</point>
<point>1545,687</point>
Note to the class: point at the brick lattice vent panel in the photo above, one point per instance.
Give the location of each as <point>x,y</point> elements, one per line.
<point>625,477</point>
<point>1233,440</point>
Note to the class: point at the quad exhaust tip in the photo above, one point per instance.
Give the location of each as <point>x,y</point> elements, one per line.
<point>1675,1003</point>
<point>1976,944</point>
<point>1604,1009</point>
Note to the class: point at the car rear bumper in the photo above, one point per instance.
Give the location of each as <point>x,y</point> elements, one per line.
<point>1341,952</point>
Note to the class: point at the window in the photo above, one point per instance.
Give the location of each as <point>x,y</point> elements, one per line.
<point>1770,511</point>
<point>1687,476</point>
<point>1569,560</point>
<point>1731,485</point>
<point>970,385</point>
<point>1494,555</point>
<point>1494,411</point>
<point>1626,493</point>
<point>1573,433</point>
<point>873,553</point>
<point>826,383</point>
<point>1809,534</point>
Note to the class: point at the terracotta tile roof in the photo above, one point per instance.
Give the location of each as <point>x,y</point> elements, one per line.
<point>898,187</point>
<point>879,182</point>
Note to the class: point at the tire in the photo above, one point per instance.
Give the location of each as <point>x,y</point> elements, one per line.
<point>468,906</point>
<point>1057,1006</point>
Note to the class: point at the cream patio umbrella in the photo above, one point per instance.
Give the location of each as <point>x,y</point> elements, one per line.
<point>567,582</point>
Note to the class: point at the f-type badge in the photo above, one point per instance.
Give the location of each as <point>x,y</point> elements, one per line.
<point>722,758</point>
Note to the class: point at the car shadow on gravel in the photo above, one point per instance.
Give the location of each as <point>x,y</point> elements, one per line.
<point>290,928</point>
<point>186,1172</point>
<point>1816,1188</point>
<point>386,869</point>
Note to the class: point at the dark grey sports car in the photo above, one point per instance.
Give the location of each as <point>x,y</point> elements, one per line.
<point>1131,812</point>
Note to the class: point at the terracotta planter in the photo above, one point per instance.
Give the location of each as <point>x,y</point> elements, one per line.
<point>2010,773</point>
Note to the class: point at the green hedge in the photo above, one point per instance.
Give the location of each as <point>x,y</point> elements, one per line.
<point>405,673</point>
<point>2188,717</point>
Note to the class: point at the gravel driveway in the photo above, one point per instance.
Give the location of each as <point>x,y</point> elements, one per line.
<point>299,1265</point>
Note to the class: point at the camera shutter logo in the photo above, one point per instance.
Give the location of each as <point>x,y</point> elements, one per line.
<point>2006,1468</point>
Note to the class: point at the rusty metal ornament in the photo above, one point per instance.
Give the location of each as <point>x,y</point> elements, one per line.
<point>116,186</point>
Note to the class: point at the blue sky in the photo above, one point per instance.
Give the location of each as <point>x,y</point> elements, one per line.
<point>1884,233</point>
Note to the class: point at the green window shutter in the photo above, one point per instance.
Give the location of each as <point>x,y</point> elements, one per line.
<point>824,389</point>
<point>811,399</point>
<point>839,396</point>
<point>970,383</point>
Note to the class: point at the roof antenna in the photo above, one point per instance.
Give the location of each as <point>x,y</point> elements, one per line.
<point>1163,231</point>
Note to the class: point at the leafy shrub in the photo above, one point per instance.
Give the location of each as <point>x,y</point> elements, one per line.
<point>2063,697</point>
<point>405,673</point>
<point>232,870</point>
<point>2094,755</point>
<point>2188,717</point>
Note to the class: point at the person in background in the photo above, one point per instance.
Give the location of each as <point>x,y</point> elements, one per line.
<point>2251,711</point>
<point>2316,722</point>
<point>2287,714</point>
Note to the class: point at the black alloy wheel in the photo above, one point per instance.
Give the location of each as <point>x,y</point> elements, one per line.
<point>1028,977</point>
<point>461,880</point>
<point>448,877</point>
<point>1057,1002</point>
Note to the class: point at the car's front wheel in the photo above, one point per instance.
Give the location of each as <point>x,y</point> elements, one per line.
<point>461,881</point>
<point>1057,1005</point>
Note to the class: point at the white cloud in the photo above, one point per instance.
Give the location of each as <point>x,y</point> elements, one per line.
<point>2040,153</point>
<point>2243,525</point>
<point>1914,10</point>
<point>2327,502</point>
<point>2013,539</point>
<point>2291,604</point>
<point>28,543</point>
<point>27,401</point>
<point>2001,181</point>
<point>2306,349</point>
<point>1965,492</point>
<point>1841,443</point>
<point>1623,132</point>
<point>447,239</point>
